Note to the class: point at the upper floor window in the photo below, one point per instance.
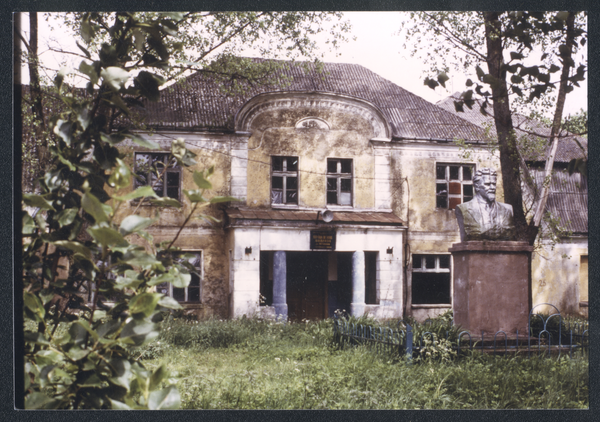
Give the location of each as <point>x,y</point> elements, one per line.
<point>284,180</point>
<point>431,280</point>
<point>191,293</point>
<point>339,181</point>
<point>156,170</point>
<point>453,184</point>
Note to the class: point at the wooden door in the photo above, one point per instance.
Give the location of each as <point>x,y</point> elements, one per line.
<point>306,285</point>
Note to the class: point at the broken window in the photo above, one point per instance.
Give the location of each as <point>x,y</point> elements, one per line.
<point>431,280</point>
<point>339,181</point>
<point>453,184</point>
<point>192,261</point>
<point>158,171</point>
<point>284,180</point>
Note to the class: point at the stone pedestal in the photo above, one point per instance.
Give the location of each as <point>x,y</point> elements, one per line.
<point>492,287</point>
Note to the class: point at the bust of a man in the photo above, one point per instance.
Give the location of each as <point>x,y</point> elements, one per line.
<point>483,218</point>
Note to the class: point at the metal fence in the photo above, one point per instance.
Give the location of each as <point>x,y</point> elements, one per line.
<point>546,334</point>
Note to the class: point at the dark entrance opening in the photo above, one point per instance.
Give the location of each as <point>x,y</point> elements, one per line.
<point>307,285</point>
<point>340,287</point>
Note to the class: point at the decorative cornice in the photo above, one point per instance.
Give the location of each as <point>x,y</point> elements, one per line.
<point>315,100</point>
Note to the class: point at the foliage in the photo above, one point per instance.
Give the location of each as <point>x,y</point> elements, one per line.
<point>291,366</point>
<point>75,252</point>
<point>214,42</point>
<point>508,43</point>
<point>87,286</point>
<point>458,40</point>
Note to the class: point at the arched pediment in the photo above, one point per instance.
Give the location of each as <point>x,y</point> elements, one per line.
<point>313,102</point>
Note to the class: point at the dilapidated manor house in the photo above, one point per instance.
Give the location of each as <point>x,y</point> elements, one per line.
<point>347,185</point>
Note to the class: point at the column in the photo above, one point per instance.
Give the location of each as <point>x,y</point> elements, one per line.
<point>357,307</point>
<point>279,285</point>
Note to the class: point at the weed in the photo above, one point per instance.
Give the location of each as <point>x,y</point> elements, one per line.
<point>254,364</point>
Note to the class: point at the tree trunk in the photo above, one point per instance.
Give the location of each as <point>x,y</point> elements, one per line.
<point>556,123</point>
<point>34,73</point>
<point>509,155</point>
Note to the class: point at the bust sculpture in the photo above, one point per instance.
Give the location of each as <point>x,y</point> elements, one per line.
<point>483,218</point>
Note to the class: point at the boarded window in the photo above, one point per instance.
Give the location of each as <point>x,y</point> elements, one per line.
<point>453,184</point>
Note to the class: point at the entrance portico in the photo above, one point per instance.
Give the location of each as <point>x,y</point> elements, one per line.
<point>360,272</point>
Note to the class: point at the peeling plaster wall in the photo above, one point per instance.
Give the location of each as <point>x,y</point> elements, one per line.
<point>198,235</point>
<point>556,278</point>
<point>431,230</point>
<point>274,134</point>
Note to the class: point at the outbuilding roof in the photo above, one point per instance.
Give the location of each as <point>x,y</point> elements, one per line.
<point>567,146</point>
<point>198,102</point>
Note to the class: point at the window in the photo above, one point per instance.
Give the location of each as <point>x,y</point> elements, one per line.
<point>339,181</point>
<point>191,293</point>
<point>371,278</point>
<point>431,280</point>
<point>284,180</point>
<point>155,170</point>
<point>453,185</point>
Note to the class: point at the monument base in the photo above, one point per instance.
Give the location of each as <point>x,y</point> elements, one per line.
<point>492,288</point>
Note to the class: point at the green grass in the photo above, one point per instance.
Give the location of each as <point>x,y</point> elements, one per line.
<point>252,364</point>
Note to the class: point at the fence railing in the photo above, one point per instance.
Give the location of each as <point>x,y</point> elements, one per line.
<point>549,335</point>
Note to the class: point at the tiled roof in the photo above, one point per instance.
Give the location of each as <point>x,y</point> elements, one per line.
<point>568,199</point>
<point>339,217</point>
<point>567,147</point>
<point>198,102</point>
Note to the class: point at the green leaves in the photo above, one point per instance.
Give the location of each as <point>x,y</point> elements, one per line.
<point>94,207</point>
<point>141,192</point>
<point>37,201</point>
<point>144,303</point>
<point>114,77</point>
<point>183,155</point>
<point>134,223</point>
<point>120,176</point>
<point>107,237</point>
<point>201,179</point>
<point>167,398</point>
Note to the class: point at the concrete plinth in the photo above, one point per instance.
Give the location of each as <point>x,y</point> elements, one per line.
<point>492,288</point>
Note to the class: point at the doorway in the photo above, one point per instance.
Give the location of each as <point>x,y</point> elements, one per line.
<point>307,285</point>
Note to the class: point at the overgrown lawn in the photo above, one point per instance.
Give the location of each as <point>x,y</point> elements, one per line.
<point>252,364</point>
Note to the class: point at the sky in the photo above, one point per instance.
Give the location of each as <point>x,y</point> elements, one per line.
<point>378,47</point>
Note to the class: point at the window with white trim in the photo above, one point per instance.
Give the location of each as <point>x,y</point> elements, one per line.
<point>156,170</point>
<point>339,181</point>
<point>431,280</point>
<point>191,293</point>
<point>453,184</point>
<point>284,180</point>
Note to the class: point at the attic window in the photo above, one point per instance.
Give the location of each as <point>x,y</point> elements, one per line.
<point>453,184</point>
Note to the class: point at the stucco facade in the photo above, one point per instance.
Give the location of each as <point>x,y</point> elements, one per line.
<point>346,197</point>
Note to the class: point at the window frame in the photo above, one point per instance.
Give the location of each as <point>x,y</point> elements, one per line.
<point>338,175</point>
<point>285,174</point>
<point>452,198</point>
<point>176,169</point>
<point>200,270</point>
<point>436,269</point>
